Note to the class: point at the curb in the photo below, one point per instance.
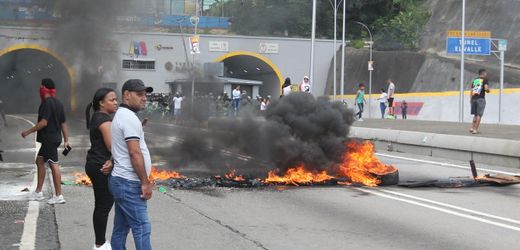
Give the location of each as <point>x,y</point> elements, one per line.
<point>458,147</point>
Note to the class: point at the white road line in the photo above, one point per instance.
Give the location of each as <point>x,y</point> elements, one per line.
<point>28,240</point>
<point>440,209</point>
<point>474,212</point>
<point>444,164</point>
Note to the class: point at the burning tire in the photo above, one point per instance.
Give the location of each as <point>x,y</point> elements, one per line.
<point>389,178</point>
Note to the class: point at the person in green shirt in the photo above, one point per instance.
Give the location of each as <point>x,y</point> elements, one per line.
<point>360,101</point>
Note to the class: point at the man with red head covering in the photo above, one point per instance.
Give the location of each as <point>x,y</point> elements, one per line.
<point>50,127</point>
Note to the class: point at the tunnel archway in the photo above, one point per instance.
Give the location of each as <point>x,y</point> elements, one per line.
<point>22,67</point>
<point>252,66</point>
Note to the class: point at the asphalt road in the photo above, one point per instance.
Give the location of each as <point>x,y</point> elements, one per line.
<point>341,217</point>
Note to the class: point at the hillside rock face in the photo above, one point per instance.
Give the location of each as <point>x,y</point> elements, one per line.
<point>431,69</point>
<point>499,17</point>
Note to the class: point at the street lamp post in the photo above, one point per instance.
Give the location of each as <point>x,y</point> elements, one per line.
<point>463,43</point>
<point>369,70</point>
<point>313,40</point>
<point>343,52</point>
<point>334,49</point>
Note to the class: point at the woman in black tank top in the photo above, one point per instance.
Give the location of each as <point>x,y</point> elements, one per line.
<point>99,159</point>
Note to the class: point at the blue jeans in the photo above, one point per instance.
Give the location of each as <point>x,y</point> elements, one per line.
<point>236,104</point>
<point>130,213</point>
<point>382,105</point>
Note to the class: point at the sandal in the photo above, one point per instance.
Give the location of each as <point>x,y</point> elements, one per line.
<point>474,132</point>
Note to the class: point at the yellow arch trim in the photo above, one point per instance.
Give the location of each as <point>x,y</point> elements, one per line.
<point>70,71</point>
<point>255,55</point>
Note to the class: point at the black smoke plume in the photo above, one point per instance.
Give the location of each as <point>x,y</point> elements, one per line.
<point>297,129</point>
<point>83,35</point>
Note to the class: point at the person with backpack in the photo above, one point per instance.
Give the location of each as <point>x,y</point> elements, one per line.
<point>479,88</point>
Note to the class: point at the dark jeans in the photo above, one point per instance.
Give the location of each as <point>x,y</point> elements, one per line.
<point>404,114</point>
<point>130,213</point>
<point>103,201</point>
<point>361,107</point>
<point>382,105</point>
<point>236,104</point>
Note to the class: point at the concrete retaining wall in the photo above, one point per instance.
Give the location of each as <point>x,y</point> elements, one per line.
<point>484,150</point>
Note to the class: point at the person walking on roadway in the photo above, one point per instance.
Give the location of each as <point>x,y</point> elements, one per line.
<point>129,181</point>
<point>391,92</point>
<point>99,160</point>
<point>360,101</point>
<point>383,98</point>
<point>236,94</point>
<point>50,127</point>
<point>479,88</point>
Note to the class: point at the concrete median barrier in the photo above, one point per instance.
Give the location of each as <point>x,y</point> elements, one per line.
<point>501,152</point>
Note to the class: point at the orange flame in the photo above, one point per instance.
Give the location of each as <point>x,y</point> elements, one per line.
<point>82,179</point>
<point>233,176</point>
<point>360,165</point>
<point>161,175</point>
<point>297,176</point>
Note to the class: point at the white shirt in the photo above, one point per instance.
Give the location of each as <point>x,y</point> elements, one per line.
<point>177,102</point>
<point>383,98</point>
<point>236,94</point>
<point>287,90</point>
<point>391,90</point>
<point>263,106</point>
<point>305,87</point>
<point>126,127</point>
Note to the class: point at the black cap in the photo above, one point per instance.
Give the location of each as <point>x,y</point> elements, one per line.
<point>136,85</point>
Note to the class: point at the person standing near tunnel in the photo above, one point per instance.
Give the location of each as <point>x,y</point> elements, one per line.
<point>236,94</point>
<point>50,127</point>
<point>99,163</point>
<point>305,85</point>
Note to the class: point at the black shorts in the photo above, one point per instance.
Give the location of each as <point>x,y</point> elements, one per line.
<point>391,102</point>
<point>49,151</point>
<point>478,105</point>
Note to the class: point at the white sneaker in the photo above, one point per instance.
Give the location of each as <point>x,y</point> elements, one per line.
<point>56,200</point>
<point>360,120</point>
<point>36,196</point>
<point>105,246</point>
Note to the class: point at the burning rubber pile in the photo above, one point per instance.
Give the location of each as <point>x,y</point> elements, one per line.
<point>359,167</point>
<point>300,140</point>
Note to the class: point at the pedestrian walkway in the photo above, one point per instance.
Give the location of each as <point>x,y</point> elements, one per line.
<point>507,132</point>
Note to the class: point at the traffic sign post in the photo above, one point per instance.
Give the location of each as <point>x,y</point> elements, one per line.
<point>469,42</point>
<point>499,47</point>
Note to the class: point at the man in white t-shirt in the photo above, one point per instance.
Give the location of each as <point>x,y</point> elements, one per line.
<point>236,94</point>
<point>128,182</point>
<point>177,107</point>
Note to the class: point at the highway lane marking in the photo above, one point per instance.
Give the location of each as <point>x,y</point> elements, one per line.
<point>440,209</point>
<point>28,240</point>
<point>445,164</point>
<point>451,206</point>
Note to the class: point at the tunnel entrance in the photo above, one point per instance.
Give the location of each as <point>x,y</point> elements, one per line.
<point>21,71</point>
<point>252,66</point>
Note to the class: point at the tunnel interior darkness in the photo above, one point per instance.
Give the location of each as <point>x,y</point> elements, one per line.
<point>21,72</point>
<point>252,68</point>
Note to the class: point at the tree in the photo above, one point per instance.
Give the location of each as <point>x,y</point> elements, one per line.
<point>401,20</point>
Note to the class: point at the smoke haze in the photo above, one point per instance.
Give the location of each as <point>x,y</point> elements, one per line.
<point>297,129</point>
<point>83,36</point>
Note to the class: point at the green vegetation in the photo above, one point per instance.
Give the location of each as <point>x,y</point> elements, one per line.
<point>395,24</point>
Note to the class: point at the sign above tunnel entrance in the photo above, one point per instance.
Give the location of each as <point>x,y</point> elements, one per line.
<point>475,42</point>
